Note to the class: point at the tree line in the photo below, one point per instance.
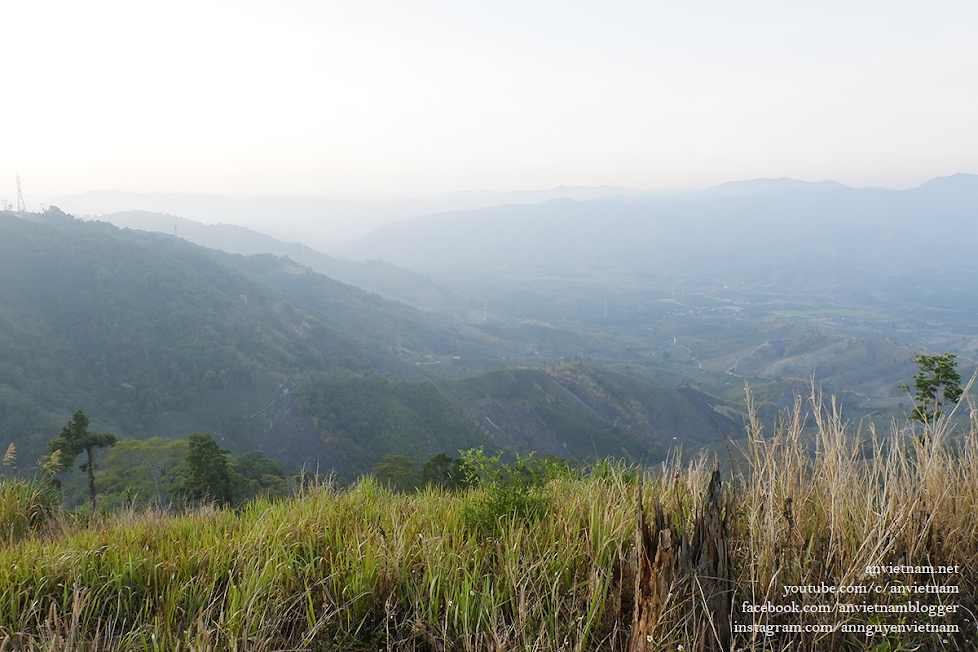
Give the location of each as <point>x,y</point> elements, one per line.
<point>161,470</point>
<point>200,470</point>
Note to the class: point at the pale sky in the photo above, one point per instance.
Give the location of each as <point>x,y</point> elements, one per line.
<point>375,98</point>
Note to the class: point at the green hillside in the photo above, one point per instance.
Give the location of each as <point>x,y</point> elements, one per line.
<point>156,337</point>
<point>578,410</point>
<point>397,329</point>
<point>385,278</point>
<point>149,333</point>
<point>364,417</point>
<point>348,421</point>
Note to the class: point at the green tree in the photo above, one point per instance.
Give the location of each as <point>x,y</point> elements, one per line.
<point>74,439</point>
<point>444,471</point>
<point>935,385</point>
<point>397,471</point>
<point>264,476</point>
<point>142,470</point>
<point>511,490</point>
<point>210,474</point>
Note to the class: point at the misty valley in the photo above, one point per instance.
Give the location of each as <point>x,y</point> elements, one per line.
<point>619,326</point>
<point>433,436</point>
<point>388,326</point>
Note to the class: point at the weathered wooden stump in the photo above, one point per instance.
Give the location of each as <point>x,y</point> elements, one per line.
<point>714,574</point>
<point>683,587</point>
<point>658,559</point>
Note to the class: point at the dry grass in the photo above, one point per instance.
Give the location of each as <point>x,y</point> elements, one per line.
<point>823,516</point>
<point>368,569</point>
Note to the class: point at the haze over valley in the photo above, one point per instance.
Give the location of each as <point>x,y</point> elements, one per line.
<point>594,326</point>
<point>623,324</point>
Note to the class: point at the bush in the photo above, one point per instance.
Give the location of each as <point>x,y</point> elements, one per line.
<point>510,491</point>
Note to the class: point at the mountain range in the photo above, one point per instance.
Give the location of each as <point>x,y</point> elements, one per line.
<point>326,223</point>
<point>154,336</point>
<point>817,267</point>
<point>675,285</point>
<point>602,325</point>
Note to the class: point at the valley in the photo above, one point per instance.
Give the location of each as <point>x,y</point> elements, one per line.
<point>622,327</point>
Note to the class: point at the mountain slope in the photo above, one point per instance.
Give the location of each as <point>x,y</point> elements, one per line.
<point>348,422</point>
<point>579,410</point>
<point>148,333</point>
<point>374,275</point>
<point>154,336</point>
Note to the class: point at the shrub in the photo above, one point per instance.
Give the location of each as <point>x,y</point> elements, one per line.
<point>510,491</point>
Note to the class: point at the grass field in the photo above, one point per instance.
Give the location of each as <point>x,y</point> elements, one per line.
<point>529,562</point>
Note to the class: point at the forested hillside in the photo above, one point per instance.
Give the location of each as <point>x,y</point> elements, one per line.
<point>156,337</point>
<point>148,332</point>
<point>373,275</point>
<point>571,410</point>
<point>129,334</point>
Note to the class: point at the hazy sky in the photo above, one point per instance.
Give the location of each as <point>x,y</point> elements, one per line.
<point>373,98</point>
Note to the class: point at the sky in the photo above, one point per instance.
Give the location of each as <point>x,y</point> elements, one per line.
<point>379,99</point>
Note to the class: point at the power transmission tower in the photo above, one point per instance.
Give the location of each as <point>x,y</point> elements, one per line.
<point>21,206</point>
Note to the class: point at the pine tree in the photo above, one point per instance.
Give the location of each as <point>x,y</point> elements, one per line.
<point>74,439</point>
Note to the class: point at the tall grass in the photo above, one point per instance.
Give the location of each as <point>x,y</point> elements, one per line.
<point>368,569</point>
<point>24,506</point>
<point>363,568</point>
<point>822,510</point>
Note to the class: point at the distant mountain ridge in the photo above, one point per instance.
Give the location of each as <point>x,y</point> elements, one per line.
<point>385,278</point>
<point>754,186</point>
<point>324,223</point>
<point>617,229</point>
<point>327,223</point>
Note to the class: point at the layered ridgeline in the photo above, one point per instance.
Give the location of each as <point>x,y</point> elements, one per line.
<point>154,336</point>
<point>712,336</point>
<point>375,275</point>
<point>769,232</point>
<point>764,279</point>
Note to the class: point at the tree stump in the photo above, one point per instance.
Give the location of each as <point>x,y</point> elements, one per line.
<point>658,559</point>
<point>714,575</point>
<point>671,577</point>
